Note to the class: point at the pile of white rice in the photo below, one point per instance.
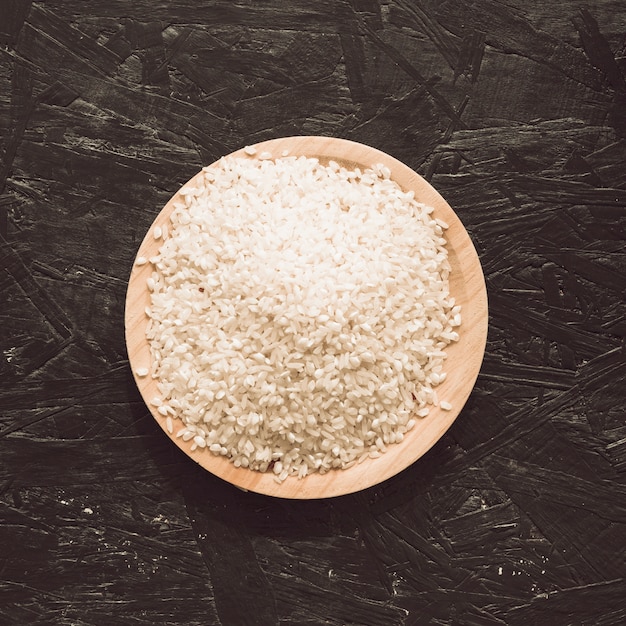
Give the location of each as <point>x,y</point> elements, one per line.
<point>299,314</point>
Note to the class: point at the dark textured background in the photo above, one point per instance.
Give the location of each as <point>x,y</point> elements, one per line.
<point>515,110</point>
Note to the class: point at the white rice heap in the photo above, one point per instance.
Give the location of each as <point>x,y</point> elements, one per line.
<point>299,313</point>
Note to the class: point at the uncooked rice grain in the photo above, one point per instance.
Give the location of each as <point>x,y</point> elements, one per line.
<point>299,313</point>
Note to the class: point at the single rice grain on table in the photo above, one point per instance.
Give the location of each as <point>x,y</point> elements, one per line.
<point>299,313</point>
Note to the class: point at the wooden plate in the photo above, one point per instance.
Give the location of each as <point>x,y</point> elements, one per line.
<point>464,359</point>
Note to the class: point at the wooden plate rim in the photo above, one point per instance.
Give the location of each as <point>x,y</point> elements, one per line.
<point>467,285</point>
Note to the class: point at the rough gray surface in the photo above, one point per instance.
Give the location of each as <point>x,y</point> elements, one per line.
<point>516,111</point>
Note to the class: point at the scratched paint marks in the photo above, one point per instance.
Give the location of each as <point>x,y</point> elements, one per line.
<point>83,548</point>
<point>605,419</point>
<point>463,55</point>
<point>14,13</point>
<point>58,188</point>
<point>555,214</point>
<point>393,98</point>
<point>87,70</point>
<point>316,91</point>
<point>146,40</point>
<point>578,602</point>
<point>224,545</point>
<point>390,86</point>
<point>490,548</point>
<point>523,87</point>
<point>557,206</point>
<point>92,160</point>
<point>568,213</point>
<point>513,33</point>
<point>69,141</point>
<point>300,569</point>
<point>398,60</point>
<point>28,344</point>
<point>512,517</point>
<point>601,56</point>
<point>456,546</point>
<point>298,16</point>
<point>570,513</point>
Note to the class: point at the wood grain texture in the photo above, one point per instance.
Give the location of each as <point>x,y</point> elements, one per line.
<point>514,111</point>
<point>463,360</point>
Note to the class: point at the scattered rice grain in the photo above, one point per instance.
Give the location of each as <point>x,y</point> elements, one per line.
<point>267,342</point>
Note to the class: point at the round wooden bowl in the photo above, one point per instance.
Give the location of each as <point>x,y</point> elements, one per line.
<point>462,365</point>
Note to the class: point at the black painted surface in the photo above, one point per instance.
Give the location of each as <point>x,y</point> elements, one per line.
<point>517,113</point>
